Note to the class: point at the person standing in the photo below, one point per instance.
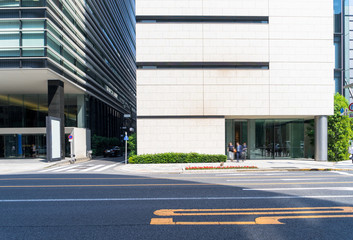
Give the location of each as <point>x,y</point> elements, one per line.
<point>231,151</point>
<point>239,151</point>
<point>244,151</point>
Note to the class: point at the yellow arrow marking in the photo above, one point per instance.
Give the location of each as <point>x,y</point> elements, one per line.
<point>249,211</point>
<point>216,212</point>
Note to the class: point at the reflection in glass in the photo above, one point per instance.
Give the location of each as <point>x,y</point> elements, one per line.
<point>268,139</point>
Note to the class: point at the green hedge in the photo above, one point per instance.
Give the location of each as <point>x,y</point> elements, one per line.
<point>177,158</point>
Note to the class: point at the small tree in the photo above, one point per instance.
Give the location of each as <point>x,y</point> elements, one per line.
<point>132,144</point>
<point>339,131</point>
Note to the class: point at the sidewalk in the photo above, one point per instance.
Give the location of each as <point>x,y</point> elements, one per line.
<point>11,166</point>
<point>262,165</point>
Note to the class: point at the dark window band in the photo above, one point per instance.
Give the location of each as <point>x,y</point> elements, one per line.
<point>201,19</point>
<point>176,117</point>
<point>203,65</point>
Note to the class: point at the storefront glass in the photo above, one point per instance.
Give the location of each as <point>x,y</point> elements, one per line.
<point>22,146</point>
<point>268,139</point>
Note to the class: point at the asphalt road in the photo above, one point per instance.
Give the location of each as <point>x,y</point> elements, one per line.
<point>265,205</point>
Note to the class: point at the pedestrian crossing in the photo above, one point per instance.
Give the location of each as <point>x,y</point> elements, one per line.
<point>80,168</point>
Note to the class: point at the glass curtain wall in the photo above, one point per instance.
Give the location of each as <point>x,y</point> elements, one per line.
<point>268,139</point>
<point>22,146</point>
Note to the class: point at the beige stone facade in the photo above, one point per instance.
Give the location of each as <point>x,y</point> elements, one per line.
<point>174,105</point>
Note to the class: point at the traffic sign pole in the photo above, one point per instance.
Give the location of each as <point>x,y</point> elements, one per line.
<point>71,139</point>
<point>126,138</point>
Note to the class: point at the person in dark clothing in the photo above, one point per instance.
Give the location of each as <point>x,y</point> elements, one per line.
<point>231,151</point>
<point>239,151</point>
<point>244,152</point>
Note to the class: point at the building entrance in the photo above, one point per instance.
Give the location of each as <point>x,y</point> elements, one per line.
<point>268,139</point>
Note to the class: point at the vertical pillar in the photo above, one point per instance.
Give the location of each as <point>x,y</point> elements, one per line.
<point>56,107</point>
<point>321,142</point>
<point>251,137</point>
<point>81,111</point>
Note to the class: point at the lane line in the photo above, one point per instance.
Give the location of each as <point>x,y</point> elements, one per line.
<point>168,199</point>
<point>280,173</point>
<point>165,178</point>
<point>296,179</point>
<point>344,173</point>
<point>171,184</point>
<point>294,189</point>
<point>272,179</point>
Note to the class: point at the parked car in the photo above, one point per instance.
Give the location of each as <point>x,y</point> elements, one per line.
<point>113,152</point>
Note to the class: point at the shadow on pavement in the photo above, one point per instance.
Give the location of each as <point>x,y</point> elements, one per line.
<point>102,206</point>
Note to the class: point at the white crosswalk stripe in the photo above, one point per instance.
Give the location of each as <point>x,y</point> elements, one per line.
<point>79,168</point>
<point>91,168</point>
<point>50,169</point>
<point>64,168</point>
<point>106,167</point>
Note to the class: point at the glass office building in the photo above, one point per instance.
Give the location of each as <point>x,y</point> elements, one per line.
<point>343,41</point>
<point>86,45</point>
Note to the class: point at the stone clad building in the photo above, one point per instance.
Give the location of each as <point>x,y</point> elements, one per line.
<point>217,71</point>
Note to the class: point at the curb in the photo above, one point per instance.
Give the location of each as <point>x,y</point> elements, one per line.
<point>265,170</point>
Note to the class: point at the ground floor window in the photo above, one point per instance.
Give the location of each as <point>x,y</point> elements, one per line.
<point>23,146</point>
<point>270,138</point>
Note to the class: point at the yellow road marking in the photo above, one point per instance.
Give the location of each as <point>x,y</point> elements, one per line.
<point>169,221</point>
<point>250,211</point>
<point>275,220</point>
<point>172,178</point>
<point>220,212</point>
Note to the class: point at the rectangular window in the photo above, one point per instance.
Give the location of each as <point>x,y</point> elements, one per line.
<point>9,38</point>
<point>9,44</point>
<point>9,3</point>
<point>33,43</point>
<point>33,24</point>
<point>337,52</point>
<point>32,3</point>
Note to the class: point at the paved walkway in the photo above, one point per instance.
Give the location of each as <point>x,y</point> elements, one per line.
<point>11,166</point>
<point>262,165</point>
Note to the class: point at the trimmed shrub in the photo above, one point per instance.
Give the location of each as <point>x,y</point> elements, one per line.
<point>177,158</point>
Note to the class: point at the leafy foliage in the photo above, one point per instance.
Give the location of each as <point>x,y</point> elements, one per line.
<point>99,144</point>
<point>339,131</point>
<point>132,145</point>
<point>177,158</point>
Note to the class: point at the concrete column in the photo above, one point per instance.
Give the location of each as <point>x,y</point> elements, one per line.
<point>251,137</point>
<point>321,141</point>
<point>56,107</point>
<point>81,111</point>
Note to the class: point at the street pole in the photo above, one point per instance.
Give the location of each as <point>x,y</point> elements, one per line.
<point>126,138</point>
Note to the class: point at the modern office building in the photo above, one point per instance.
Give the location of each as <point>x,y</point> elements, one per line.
<point>343,40</point>
<point>69,59</point>
<point>212,72</point>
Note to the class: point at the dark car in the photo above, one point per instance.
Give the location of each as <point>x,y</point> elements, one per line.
<point>113,152</point>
